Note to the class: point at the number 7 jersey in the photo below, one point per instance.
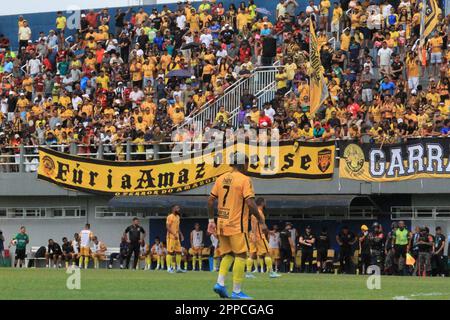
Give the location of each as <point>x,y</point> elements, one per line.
<point>231,190</point>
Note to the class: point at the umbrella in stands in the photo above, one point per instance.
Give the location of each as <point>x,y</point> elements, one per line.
<point>180,73</point>
<point>190,45</point>
<point>263,11</point>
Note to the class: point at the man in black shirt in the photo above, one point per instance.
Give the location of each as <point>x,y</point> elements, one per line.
<point>67,252</point>
<point>286,248</point>
<point>364,249</point>
<point>121,255</point>
<point>53,253</point>
<point>438,256</point>
<point>322,246</point>
<point>397,67</point>
<point>306,242</point>
<point>134,236</point>
<point>345,239</point>
<point>388,250</point>
<point>425,245</point>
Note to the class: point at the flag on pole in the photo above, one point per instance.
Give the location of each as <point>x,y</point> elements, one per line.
<point>428,18</point>
<point>410,261</point>
<point>318,87</point>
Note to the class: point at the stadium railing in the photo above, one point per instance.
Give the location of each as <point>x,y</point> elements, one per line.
<point>257,82</point>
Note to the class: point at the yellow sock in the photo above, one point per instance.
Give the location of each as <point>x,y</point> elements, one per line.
<point>185,265</point>
<point>261,264</point>
<point>169,261</point>
<point>200,263</point>
<point>80,262</point>
<point>255,264</point>
<point>238,273</point>
<point>96,263</point>
<point>268,261</point>
<point>178,259</point>
<point>214,264</point>
<point>86,262</point>
<point>67,264</point>
<point>194,259</point>
<point>249,264</point>
<point>163,262</point>
<point>147,262</point>
<point>225,265</point>
<point>291,266</point>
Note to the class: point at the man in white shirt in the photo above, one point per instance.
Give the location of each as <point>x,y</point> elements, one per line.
<point>384,59</point>
<point>136,95</point>
<point>34,66</point>
<point>206,38</point>
<point>281,9</point>
<point>181,21</point>
<point>269,111</point>
<point>24,35</point>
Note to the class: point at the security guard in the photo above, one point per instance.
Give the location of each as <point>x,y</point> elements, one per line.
<point>322,246</point>
<point>389,250</point>
<point>287,249</point>
<point>376,240</point>
<point>306,242</point>
<point>438,256</point>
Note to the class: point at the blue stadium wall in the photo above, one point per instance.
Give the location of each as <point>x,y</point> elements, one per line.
<point>46,21</point>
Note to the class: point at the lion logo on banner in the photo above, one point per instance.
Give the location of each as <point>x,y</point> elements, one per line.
<point>324,159</point>
<point>354,157</point>
<point>48,166</point>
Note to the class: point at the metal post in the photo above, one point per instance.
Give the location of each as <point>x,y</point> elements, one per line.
<point>156,151</point>
<point>21,158</point>
<point>73,148</point>
<point>100,150</point>
<point>128,150</point>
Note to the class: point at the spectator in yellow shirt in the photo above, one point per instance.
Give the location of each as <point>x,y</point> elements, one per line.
<point>61,22</point>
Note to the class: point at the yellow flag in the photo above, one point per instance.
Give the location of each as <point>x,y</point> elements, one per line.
<point>318,86</point>
<point>410,261</point>
<point>429,18</point>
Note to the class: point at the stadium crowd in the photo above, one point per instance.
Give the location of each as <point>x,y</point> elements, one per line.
<point>398,251</point>
<point>136,75</point>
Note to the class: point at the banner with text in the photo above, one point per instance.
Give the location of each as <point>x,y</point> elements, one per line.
<point>414,159</point>
<point>285,160</point>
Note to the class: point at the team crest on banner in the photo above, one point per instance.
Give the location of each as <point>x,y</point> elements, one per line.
<point>324,159</point>
<point>354,158</point>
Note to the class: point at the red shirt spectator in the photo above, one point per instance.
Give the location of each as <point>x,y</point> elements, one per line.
<point>264,122</point>
<point>353,108</point>
<point>91,18</point>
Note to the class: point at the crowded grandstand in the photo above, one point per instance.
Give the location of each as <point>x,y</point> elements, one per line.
<point>351,90</point>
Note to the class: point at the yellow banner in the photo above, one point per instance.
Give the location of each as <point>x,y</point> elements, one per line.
<point>318,86</point>
<point>287,160</point>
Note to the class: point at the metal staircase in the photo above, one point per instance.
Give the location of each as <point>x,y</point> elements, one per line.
<point>261,83</point>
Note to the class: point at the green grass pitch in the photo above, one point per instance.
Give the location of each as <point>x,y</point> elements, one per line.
<point>128,284</point>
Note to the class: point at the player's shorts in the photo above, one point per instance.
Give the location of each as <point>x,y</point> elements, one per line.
<point>85,251</point>
<point>100,256</point>
<point>274,253</point>
<point>237,243</point>
<point>173,245</point>
<point>436,57</point>
<point>195,251</point>
<point>262,247</point>
<point>20,254</point>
